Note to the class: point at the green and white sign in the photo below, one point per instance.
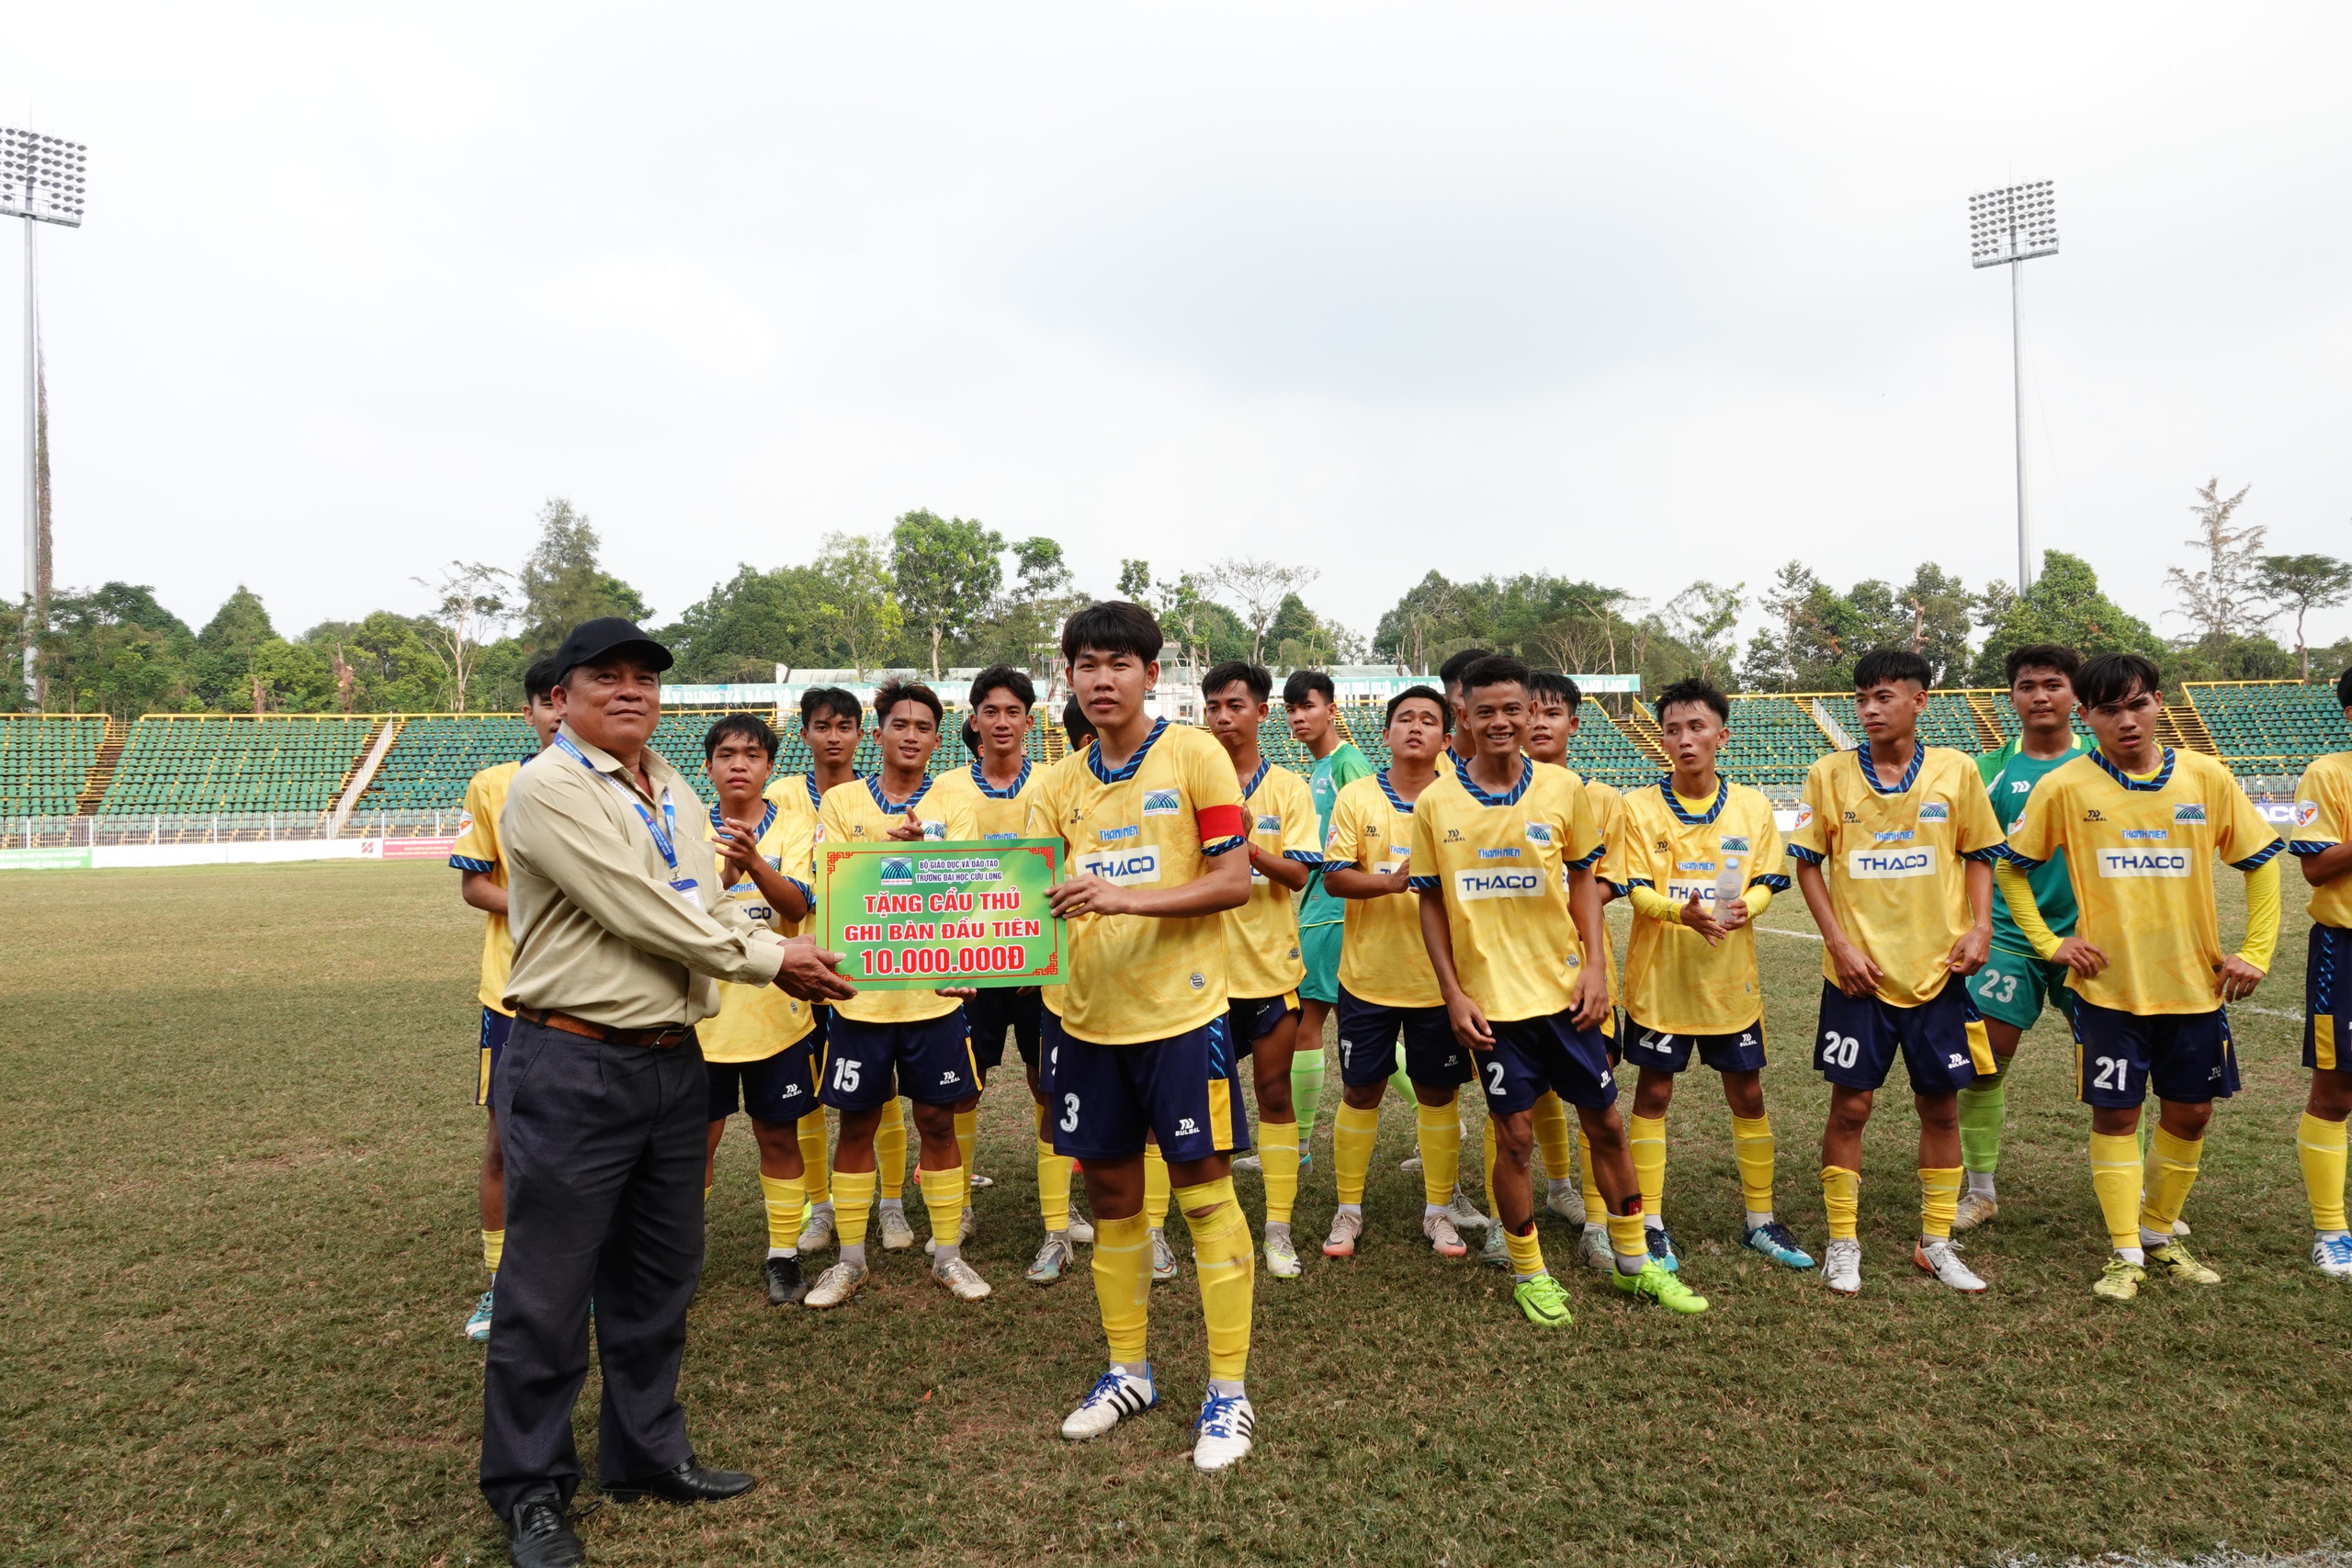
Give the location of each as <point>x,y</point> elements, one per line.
<point>65,857</point>
<point>919,916</point>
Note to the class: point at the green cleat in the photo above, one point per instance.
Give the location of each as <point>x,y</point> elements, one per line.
<point>2120,1281</point>
<point>2174,1261</point>
<point>1667,1289</point>
<point>1545,1304</point>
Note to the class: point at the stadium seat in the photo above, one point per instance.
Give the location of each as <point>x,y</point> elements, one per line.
<point>44,760</point>
<point>283,764</point>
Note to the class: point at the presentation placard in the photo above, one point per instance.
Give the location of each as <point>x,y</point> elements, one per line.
<point>919,916</point>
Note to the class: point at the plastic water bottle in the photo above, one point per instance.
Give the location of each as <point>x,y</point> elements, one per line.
<point>1729,885</point>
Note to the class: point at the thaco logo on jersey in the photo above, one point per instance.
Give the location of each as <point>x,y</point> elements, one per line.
<point>1497,883</point>
<point>1123,868</point>
<point>1876,864</point>
<point>1162,802</point>
<point>2144,862</point>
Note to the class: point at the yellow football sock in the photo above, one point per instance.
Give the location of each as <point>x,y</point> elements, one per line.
<point>2171,1171</point>
<point>1278,1157</point>
<point>2115,1177</point>
<point>891,1149</point>
<point>2319,1143</point>
<point>1751,1146</point>
<point>1596,1207</point>
<point>1551,1135</point>
<point>1841,1195</point>
<point>1123,1285</point>
<point>815,1171</point>
<point>1154,1187</point>
<point>1353,1132</point>
<point>943,1192</point>
<point>968,1137</point>
<point>1646,1135</point>
<point>1228,1267</point>
<point>1628,1236</point>
<point>784,1196</point>
<point>1486,1148</point>
<point>493,1243</point>
<point>1438,1129</point>
<point>1526,1251</point>
<point>1053,1179</point>
<point>853,1205</point>
<point>1939,1200</point>
<point>705,1194</point>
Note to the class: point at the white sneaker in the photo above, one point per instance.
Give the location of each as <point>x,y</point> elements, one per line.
<point>817,1233</point>
<point>979,1181</point>
<point>1345,1228</point>
<point>1225,1424</point>
<point>1445,1240</point>
<point>1249,1162</point>
<point>1974,1211</point>
<point>1841,1267</point>
<point>963,1280</point>
<point>1080,1232</point>
<point>1163,1258</point>
<point>965,1229</point>
<point>1282,1258</point>
<point>1566,1201</point>
<point>1941,1259</point>
<point>1594,1249</point>
<point>1114,1398</point>
<point>1052,1258</point>
<point>2332,1255</point>
<point>896,1234</point>
<point>1411,1162</point>
<point>1464,1214</point>
<point>836,1285</point>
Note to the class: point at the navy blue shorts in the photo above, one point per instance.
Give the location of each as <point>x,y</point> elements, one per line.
<point>1368,1035</point>
<point>778,1089</point>
<point>1184,1092</point>
<point>1656,1051</point>
<point>495,1027</point>
<point>868,1065</point>
<point>2327,986</point>
<point>1942,1040</point>
<point>2186,1057</point>
<point>1254,1017</point>
<point>991,1011</point>
<point>1532,1055</point>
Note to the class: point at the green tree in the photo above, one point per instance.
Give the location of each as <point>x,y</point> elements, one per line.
<point>860,616</point>
<point>1705,618</point>
<point>1022,626</point>
<point>2252,657</point>
<point>1256,589</point>
<point>391,666</point>
<point>2222,599</point>
<point>226,659</point>
<point>2300,585</point>
<point>748,625</point>
<point>114,649</point>
<point>946,574</point>
<point>1134,581</point>
<point>2066,606</point>
<point>470,601</point>
<point>563,583</point>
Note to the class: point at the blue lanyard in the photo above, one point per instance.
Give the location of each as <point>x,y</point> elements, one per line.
<point>665,842</point>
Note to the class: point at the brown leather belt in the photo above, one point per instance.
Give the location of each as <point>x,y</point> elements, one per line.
<point>658,1039</point>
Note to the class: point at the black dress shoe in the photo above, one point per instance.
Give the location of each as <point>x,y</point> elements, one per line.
<point>540,1536</point>
<point>689,1483</point>
<point>784,1284</point>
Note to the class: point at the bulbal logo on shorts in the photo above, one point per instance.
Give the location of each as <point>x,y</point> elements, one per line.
<point>1186,1127</point>
<point>2144,862</point>
<point>1162,802</point>
<point>1122,868</point>
<point>897,873</point>
<point>1468,885</point>
<point>1879,865</point>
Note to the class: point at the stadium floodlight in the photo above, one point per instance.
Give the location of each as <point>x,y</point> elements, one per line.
<point>40,182</point>
<point>2010,227</point>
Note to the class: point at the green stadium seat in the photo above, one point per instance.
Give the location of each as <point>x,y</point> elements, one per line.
<point>284,764</point>
<point>44,761</point>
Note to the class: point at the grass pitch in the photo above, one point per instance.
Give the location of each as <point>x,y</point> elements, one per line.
<point>237,1154</point>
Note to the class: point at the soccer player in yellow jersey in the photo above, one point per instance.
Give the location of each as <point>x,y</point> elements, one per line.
<point>2323,847</point>
<point>757,1046</point>
<point>1502,853</point>
<point>1262,966</point>
<point>1700,859</point>
<point>882,1044</point>
<point>1386,985</point>
<point>1893,843</point>
<point>481,863</point>
<point>2141,825</point>
<point>1138,1043</point>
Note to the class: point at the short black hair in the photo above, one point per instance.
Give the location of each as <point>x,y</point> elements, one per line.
<point>834,700</point>
<point>1076,725</point>
<point>2344,689</point>
<point>1003,677</point>
<point>1547,683</point>
<point>1303,681</point>
<point>1112,626</point>
<point>539,680</point>
<point>1694,691</point>
<point>2115,678</point>
<point>1494,670</point>
<point>1881,665</point>
<point>2040,655</point>
<point>750,726</point>
<point>892,693</point>
<point>1254,676</point>
<point>1424,693</point>
<point>1449,672</point>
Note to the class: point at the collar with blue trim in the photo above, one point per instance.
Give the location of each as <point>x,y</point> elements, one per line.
<point>2164,774</point>
<point>1265,766</point>
<point>767,819</point>
<point>873,783</point>
<point>1674,802</point>
<point>1396,802</point>
<point>1910,775</point>
<point>980,782</point>
<point>1126,769</point>
<point>1526,777</point>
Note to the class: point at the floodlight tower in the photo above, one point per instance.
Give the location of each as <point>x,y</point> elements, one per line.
<point>2010,227</point>
<point>40,182</point>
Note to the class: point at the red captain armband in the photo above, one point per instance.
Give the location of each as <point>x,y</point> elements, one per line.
<point>1219,822</point>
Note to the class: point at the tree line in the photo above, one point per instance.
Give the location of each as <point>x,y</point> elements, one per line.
<point>932,592</point>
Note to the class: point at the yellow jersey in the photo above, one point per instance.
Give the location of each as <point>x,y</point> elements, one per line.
<point>855,813</point>
<point>1261,936</point>
<point>476,848</point>
<point>2140,854</point>
<point>1609,818</point>
<point>1892,855</point>
<point>1382,959</point>
<point>2322,817</point>
<point>1499,862</point>
<point>754,1022</point>
<point>995,813</point>
<point>1153,823</point>
<point>1674,981</point>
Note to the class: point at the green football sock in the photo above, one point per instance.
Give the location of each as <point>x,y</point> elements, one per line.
<point>1307,1089</point>
<point>1981,1106</point>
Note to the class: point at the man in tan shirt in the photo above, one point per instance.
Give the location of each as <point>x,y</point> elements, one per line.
<point>621,930</point>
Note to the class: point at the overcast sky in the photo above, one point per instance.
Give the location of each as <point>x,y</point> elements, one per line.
<point>1639,295</point>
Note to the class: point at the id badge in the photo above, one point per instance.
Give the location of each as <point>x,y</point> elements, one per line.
<point>688,890</point>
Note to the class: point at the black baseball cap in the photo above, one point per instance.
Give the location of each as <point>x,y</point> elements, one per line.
<point>593,640</point>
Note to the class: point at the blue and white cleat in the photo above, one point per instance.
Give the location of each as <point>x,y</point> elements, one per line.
<point>1114,1398</point>
<point>1662,1250</point>
<point>2331,1254</point>
<point>478,1326</point>
<point>1226,1421</point>
<point>1775,1243</point>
